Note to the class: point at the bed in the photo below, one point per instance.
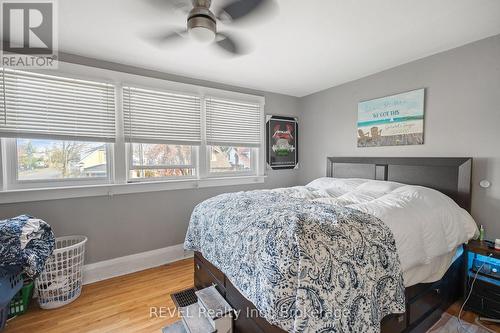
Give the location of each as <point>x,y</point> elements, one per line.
<point>428,288</point>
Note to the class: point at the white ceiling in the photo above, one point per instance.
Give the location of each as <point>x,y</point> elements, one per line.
<point>307,46</point>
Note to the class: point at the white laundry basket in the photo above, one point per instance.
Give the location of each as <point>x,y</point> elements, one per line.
<point>60,283</point>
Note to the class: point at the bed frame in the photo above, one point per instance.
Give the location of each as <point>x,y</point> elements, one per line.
<point>425,302</point>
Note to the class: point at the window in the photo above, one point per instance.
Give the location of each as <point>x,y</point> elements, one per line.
<point>224,159</point>
<point>57,131</point>
<point>162,130</point>
<point>56,159</point>
<point>233,123</point>
<point>43,106</point>
<point>153,116</point>
<point>61,131</point>
<point>161,161</point>
<point>234,136</point>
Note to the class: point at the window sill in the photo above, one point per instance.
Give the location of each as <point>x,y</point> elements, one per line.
<point>41,194</point>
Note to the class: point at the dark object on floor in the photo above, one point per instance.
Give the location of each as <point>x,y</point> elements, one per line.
<point>3,317</point>
<point>184,298</point>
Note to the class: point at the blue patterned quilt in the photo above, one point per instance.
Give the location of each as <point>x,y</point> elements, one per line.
<point>306,266</point>
<point>25,243</point>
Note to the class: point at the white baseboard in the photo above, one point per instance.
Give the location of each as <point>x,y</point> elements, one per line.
<point>107,269</point>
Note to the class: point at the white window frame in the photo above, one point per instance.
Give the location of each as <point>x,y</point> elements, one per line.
<point>253,165</point>
<point>14,183</point>
<point>3,168</point>
<point>258,154</point>
<point>117,181</point>
<point>131,167</point>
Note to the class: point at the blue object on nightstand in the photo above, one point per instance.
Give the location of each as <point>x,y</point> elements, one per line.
<point>487,266</point>
<point>482,281</point>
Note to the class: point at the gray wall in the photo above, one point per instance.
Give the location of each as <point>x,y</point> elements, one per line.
<point>132,223</point>
<point>462,118</point>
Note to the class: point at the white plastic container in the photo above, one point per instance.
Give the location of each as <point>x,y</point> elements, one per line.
<point>60,283</point>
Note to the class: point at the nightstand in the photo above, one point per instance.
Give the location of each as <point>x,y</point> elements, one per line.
<point>485,296</point>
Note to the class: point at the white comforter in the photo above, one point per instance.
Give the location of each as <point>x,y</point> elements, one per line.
<point>426,223</point>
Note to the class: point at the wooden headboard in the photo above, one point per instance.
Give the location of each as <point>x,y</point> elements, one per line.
<point>451,176</point>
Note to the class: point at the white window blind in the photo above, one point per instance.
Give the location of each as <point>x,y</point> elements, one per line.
<point>161,117</point>
<point>231,123</point>
<point>42,106</point>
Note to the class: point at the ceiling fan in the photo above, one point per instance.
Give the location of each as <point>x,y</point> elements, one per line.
<point>202,22</point>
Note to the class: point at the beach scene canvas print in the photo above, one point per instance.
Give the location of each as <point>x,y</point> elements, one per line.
<point>392,121</point>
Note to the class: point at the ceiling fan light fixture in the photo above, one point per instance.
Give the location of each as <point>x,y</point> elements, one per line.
<point>201,25</point>
<point>202,34</point>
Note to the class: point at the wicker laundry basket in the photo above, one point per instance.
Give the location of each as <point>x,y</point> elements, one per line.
<point>60,283</point>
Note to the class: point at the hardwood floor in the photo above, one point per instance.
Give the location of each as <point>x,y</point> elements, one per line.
<point>138,302</point>
<point>470,317</point>
<point>120,304</point>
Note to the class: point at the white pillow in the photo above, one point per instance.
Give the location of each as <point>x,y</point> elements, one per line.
<point>342,184</point>
<point>379,186</point>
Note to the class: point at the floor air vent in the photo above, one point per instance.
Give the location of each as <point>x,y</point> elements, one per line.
<point>210,312</point>
<point>184,298</point>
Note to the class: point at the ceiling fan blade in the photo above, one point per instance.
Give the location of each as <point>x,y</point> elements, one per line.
<point>230,44</point>
<point>168,37</point>
<point>178,5</point>
<point>239,9</point>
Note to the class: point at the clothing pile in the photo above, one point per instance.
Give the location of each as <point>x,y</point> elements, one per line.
<point>25,244</point>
